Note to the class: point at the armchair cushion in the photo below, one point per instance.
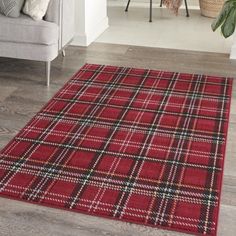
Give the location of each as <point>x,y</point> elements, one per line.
<point>11,8</point>
<point>25,30</point>
<point>36,8</point>
<point>53,12</point>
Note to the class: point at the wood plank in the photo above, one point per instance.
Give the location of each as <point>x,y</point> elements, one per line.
<point>23,93</point>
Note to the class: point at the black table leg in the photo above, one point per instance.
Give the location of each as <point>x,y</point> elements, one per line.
<point>150,18</point>
<point>186,6</point>
<point>127,7</point>
<point>161,3</point>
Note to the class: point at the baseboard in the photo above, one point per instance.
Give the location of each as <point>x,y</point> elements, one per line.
<point>233,52</point>
<point>79,40</point>
<point>91,35</point>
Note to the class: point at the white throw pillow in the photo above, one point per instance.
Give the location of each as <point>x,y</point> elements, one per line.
<point>36,8</point>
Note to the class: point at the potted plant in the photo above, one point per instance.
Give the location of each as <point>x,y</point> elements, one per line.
<point>226,19</point>
<point>210,8</point>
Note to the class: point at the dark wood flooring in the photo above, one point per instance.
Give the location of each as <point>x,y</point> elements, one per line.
<point>23,93</point>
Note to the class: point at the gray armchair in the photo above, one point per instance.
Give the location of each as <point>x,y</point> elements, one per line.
<point>24,38</point>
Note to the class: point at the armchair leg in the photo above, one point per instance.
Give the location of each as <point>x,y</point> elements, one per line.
<point>63,52</point>
<point>48,72</point>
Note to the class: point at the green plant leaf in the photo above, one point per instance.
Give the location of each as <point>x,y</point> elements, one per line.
<point>223,15</point>
<point>228,27</point>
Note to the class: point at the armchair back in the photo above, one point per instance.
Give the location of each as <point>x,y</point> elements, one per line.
<point>62,12</point>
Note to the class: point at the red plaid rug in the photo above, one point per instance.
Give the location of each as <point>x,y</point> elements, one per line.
<point>136,145</point>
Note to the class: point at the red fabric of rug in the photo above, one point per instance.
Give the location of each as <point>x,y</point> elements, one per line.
<point>136,145</point>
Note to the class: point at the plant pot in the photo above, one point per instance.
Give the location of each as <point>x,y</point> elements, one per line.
<point>210,8</point>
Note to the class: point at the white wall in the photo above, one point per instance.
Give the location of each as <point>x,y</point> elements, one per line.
<point>91,20</point>
<point>233,49</point>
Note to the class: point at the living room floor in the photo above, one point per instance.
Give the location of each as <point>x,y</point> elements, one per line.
<point>23,93</point>
<point>166,30</point>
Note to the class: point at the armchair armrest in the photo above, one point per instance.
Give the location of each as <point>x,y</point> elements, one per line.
<point>61,12</point>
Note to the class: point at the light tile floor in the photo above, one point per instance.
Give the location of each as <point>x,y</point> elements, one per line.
<point>166,30</point>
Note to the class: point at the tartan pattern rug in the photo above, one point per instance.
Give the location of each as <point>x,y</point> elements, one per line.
<point>136,145</point>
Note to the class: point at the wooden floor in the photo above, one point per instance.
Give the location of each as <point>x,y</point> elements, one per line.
<point>23,93</point>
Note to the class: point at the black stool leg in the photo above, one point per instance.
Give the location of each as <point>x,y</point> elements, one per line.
<point>150,18</point>
<point>186,6</point>
<point>127,7</point>
<point>161,3</point>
